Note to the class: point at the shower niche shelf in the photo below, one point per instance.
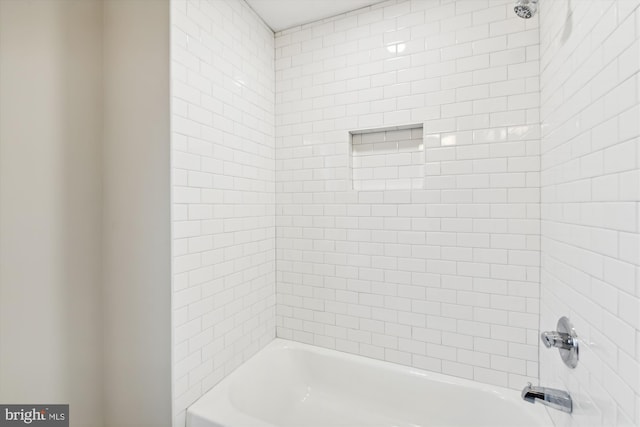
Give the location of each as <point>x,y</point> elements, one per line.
<point>390,158</point>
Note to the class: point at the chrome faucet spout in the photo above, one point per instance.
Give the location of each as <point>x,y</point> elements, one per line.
<point>557,399</point>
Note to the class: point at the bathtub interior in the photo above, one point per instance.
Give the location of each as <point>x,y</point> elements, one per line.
<point>295,385</point>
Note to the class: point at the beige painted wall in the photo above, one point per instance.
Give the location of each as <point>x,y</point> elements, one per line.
<point>50,205</point>
<point>136,228</point>
<point>84,209</point>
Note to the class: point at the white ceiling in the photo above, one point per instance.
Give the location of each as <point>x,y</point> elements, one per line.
<point>282,14</point>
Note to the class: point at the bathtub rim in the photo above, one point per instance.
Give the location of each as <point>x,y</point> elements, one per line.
<point>216,404</point>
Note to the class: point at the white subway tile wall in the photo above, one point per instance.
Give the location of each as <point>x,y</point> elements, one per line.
<point>441,272</point>
<point>446,277</point>
<point>223,184</point>
<point>388,159</point>
<point>590,93</point>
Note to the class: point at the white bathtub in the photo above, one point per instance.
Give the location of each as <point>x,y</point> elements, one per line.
<point>289,384</point>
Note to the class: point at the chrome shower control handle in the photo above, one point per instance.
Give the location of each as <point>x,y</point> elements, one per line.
<point>565,340</point>
<point>557,339</point>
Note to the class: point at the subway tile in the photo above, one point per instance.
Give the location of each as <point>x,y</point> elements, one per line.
<point>453,267</point>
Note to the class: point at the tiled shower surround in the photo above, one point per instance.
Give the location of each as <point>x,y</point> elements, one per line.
<point>590,97</point>
<point>285,222</point>
<point>223,183</point>
<point>445,277</point>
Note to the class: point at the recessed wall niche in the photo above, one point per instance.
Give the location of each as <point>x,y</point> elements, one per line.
<point>387,158</point>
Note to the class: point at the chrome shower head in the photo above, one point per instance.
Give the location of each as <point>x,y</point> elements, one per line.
<point>526,8</point>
